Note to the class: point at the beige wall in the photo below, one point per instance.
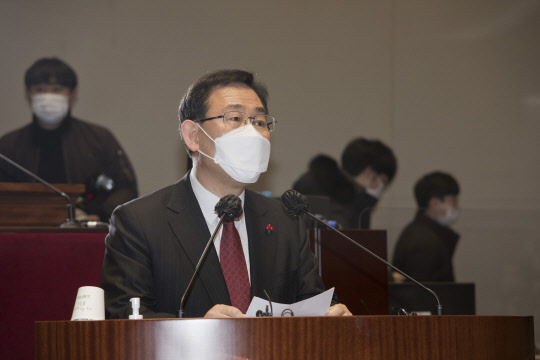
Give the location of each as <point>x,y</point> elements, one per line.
<point>449,85</point>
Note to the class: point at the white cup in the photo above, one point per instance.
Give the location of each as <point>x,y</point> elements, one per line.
<point>89,304</point>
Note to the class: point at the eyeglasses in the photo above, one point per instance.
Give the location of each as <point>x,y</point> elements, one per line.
<point>235,119</point>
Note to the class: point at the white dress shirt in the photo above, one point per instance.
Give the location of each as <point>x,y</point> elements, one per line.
<point>207,202</point>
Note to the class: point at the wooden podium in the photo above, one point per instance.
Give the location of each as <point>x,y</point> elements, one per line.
<point>34,204</point>
<point>358,337</point>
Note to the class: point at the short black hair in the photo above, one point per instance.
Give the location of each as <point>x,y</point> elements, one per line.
<point>50,71</point>
<point>194,104</point>
<point>436,184</point>
<point>361,153</point>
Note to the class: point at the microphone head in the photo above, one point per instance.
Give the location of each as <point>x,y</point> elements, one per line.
<point>294,202</point>
<point>229,207</point>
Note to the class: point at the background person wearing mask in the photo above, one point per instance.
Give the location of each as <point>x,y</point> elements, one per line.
<point>62,149</point>
<point>368,166</point>
<point>426,246</point>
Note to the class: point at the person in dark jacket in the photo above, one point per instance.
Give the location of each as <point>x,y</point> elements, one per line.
<point>426,246</point>
<point>368,166</point>
<point>62,149</point>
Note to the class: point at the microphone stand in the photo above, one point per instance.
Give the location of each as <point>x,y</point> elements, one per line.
<point>439,306</point>
<point>203,256</point>
<point>70,222</point>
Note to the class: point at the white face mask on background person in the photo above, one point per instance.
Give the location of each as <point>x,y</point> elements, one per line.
<point>449,217</point>
<point>50,109</point>
<point>376,192</point>
<point>242,153</point>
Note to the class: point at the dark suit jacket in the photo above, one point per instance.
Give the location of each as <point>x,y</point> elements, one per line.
<point>155,242</point>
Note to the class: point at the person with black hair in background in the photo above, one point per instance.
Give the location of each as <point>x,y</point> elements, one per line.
<point>62,149</point>
<point>368,166</point>
<point>426,246</point>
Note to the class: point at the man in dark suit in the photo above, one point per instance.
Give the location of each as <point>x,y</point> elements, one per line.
<point>155,242</point>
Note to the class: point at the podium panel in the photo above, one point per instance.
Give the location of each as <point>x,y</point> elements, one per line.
<point>355,337</point>
<point>356,275</point>
<point>41,273</point>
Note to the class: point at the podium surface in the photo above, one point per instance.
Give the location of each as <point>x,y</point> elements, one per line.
<point>355,337</point>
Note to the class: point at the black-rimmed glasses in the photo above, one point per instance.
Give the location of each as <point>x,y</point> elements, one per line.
<point>235,119</point>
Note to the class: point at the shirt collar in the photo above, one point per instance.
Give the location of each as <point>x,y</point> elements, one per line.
<point>207,200</point>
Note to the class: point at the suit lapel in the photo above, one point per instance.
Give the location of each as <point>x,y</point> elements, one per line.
<point>190,229</point>
<point>262,244</point>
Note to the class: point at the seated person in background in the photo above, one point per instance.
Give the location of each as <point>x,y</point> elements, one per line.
<point>368,167</point>
<point>372,165</point>
<point>425,247</point>
<point>62,149</point>
<point>155,242</point>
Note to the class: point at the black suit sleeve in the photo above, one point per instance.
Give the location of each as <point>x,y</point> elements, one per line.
<point>127,268</point>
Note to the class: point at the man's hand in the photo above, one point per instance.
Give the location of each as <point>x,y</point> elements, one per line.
<point>338,310</point>
<point>223,311</point>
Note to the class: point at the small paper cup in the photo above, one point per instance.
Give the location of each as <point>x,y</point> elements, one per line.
<point>89,304</point>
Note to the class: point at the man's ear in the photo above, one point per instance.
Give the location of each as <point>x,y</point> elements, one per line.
<point>73,96</point>
<point>189,131</point>
<point>433,207</point>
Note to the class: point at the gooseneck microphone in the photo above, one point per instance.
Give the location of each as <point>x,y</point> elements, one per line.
<point>70,222</point>
<point>296,204</point>
<point>228,207</point>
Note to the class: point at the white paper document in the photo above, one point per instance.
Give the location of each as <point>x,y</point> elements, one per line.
<point>315,306</point>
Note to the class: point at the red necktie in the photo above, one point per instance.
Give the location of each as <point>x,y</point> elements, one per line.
<point>233,265</point>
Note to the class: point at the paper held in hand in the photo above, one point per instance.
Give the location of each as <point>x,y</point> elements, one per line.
<point>315,306</point>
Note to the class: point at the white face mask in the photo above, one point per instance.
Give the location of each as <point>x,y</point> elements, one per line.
<point>449,217</point>
<point>50,109</point>
<point>243,153</point>
<point>376,193</point>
